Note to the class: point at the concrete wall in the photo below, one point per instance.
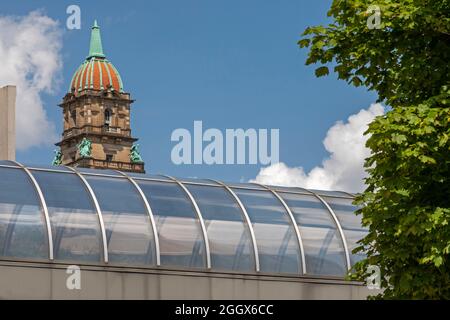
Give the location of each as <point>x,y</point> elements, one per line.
<point>7,123</point>
<point>22,280</point>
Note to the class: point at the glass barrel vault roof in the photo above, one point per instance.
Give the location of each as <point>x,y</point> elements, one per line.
<point>64,214</point>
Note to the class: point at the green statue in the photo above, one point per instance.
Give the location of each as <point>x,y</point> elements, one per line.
<point>85,148</point>
<point>135,155</point>
<point>57,160</point>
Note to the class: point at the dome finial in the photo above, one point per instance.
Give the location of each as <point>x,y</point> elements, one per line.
<point>96,49</point>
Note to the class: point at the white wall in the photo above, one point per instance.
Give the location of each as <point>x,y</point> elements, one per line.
<point>7,123</point>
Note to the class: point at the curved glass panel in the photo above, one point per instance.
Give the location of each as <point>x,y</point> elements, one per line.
<point>47,167</point>
<point>100,172</point>
<point>275,236</point>
<point>229,237</point>
<point>290,189</point>
<point>244,185</point>
<point>202,181</point>
<point>127,222</point>
<point>331,193</point>
<point>74,221</point>
<point>324,249</point>
<point>147,176</point>
<point>8,163</point>
<point>23,230</point>
<point>351,224</point>
<point>180,236</point>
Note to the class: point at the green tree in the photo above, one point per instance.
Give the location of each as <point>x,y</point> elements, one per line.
<point>406,204</point>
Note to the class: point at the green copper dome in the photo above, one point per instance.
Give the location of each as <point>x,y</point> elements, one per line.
<point>96,48</point>
<point>96,72</point>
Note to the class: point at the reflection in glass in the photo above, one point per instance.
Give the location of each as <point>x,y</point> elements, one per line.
<point>8,163</point>
<point>180,236</point>
<point>74,221</point>
<point>147,176</point>
<point>229,237</point>
<point>96,171</point>
<point>290,189</point>
<point>324,250</point>
<point>46,167</point>
<point>330,193</point>
<point>278,247</point>
<point>195,180</point>
<point>127,222</point>
<point>23,232</point>
<point>245,185</point>
<point>351,224</point>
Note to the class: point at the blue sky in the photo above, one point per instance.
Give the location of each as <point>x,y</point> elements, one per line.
<point>231,64</point>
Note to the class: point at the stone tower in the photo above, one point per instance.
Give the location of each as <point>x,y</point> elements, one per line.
<point>96,111</point>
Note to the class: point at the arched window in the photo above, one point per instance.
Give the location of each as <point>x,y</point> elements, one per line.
<point>108,115</point>
<point>73,115</point>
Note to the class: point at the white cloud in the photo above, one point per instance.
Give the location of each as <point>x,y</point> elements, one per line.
<point>30,59</point>
<point>343,169</point>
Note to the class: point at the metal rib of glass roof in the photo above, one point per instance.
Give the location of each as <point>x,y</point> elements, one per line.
<point>139,220</point>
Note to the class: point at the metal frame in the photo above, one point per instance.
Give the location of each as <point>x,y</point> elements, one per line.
<point>43,205</point>
<point>99,212</point>
<point>349,194</point>
<point>294,223</point>
<point>338,225</point>
<point>135,180</point>
<point>305,192</point>
<point>200,217</point>
<point>150,214</point>
<point>49,170</point>
<point>209,182</point>
<point>247,220</point>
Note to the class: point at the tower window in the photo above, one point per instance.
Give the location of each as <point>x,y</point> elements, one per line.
<point>108,115</point>
<point>109,158</point>
<point>73,115</point>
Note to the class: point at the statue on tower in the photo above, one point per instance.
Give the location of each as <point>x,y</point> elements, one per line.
<point>85,148</point>
<point>57,160</point>
<point>135,155</point>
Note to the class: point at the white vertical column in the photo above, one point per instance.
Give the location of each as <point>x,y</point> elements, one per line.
<point>8,123</point>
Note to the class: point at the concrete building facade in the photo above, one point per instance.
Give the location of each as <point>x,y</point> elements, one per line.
<point>49,281</point>
<point>8,123</point>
